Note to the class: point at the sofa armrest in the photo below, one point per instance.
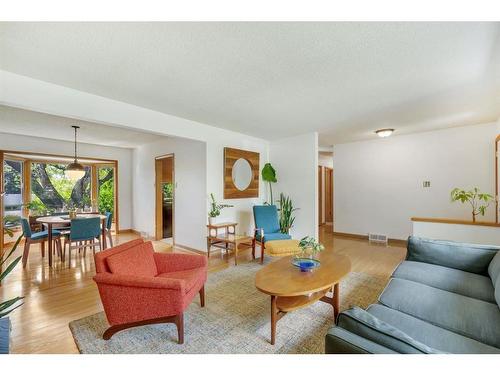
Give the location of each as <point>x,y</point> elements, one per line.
<point>171,262</point>
<point>341,341</point>
<point>462,256</point>
<point>106,278</point>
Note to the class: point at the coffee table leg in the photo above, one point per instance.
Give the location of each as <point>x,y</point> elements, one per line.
<point>336,301</point>
<point>274,319</point>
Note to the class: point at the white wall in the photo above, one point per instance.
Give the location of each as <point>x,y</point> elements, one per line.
<point>190,189</point>
<point>24,143</point>
<point>378,183</point>
<point>296,162</point>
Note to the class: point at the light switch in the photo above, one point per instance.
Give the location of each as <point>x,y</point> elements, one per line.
<point>427,184</point>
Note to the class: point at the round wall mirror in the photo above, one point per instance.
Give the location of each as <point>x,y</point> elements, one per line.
<point>242,174</point>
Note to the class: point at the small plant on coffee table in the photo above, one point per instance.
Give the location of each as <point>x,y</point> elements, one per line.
<point>310,247</point>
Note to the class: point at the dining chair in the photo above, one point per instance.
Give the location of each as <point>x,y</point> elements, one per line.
<point>38,237</point>
<point>83,233</point>
<point>109,222</point>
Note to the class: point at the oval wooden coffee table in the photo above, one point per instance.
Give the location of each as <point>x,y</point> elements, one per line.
<point>290,289</point>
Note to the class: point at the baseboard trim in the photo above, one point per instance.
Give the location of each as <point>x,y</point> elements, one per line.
<point>362,237</point>
<point>183,247</point>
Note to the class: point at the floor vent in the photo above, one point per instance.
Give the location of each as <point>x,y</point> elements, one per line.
<point>378,238</point>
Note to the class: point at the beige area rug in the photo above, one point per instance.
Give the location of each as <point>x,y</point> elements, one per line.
<point>235,319</point>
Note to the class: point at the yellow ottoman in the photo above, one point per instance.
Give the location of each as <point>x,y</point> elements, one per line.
<point>280,248</point>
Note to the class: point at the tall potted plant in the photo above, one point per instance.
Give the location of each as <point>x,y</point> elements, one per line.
<point>6,307</point>
<point>286,210</point>
<point>474,197</point>
<point>269,175</point>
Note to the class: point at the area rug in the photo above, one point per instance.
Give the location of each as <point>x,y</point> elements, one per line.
<point>235,319</point>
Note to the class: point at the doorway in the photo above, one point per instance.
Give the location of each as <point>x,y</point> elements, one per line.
<point>164,186</point>
<point>329,195</point>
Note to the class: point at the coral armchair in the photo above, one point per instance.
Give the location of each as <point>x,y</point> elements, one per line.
<point>138,286</point>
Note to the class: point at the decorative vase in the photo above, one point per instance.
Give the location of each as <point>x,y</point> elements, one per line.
<point>5,328</point>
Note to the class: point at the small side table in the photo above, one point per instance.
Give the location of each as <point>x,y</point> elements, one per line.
<point>228,239</point>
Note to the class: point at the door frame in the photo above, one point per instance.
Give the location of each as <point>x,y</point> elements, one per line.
<point>329,170</point>
<point>158,214</point>
<point>320,195</point>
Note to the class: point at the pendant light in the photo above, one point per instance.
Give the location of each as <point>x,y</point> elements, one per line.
<point>75,170</point>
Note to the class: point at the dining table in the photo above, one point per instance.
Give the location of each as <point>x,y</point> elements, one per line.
<point>50,221</point>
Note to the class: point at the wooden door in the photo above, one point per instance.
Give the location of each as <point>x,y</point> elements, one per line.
<point>320,195</point>
<point>328,195</point>
<point>164,173</point>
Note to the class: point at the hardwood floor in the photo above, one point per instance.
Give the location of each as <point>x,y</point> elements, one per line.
<point>54,297</point>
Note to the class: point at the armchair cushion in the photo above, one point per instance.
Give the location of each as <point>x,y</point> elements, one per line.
<point>266,217</point>
<point>101,264</point>
<point>190,278</point>
<point>137,261</point>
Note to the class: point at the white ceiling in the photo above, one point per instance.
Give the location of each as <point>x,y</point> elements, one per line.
<point>23,122</point>
<point>271,80</point>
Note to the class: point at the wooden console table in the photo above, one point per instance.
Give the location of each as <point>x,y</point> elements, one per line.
<point>228,239</point>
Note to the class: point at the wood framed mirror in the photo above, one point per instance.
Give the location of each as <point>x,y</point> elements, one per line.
<point>241,173</point>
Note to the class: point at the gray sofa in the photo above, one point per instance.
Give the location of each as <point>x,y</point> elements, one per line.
<point>444,298</point>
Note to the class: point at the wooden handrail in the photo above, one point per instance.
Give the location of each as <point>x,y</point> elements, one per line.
<point>455,221</point>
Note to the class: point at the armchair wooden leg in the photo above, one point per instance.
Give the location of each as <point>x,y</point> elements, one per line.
<point>262,253</point>
<point>202,296</point>
<point>253,249</point>
<point>178,320</point>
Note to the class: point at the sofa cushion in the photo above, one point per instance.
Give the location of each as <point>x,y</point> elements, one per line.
<point>494,268</point>
<point>456,281</point>
<point>497,292</point>
<point>429,334</point>
<point>466,316</point>
<point>366,325</point>
<point>136,261</point>
<point>462,256</point>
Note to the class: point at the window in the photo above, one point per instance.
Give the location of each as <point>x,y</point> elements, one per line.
<point>13,199</point>
<point>52,191</point>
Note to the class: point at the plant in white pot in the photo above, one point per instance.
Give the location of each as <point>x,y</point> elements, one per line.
<point>6,307</point>
<point>215,209</point>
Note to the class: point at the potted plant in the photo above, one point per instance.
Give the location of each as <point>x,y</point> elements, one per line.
<point>269,175</point>
<point>306,259</point>
<point>215,209</point>
<point>6,307</point>
<point>286,210</point>
<point>474,197</point>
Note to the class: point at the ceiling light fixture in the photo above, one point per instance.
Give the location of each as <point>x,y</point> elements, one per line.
<point>75,170</point>
<point>383,133</point>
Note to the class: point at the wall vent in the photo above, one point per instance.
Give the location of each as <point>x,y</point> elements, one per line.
<point>378,238</point>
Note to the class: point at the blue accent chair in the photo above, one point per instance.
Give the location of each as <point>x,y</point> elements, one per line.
<point>38,237</point>
<point>84,233</point>
<point>267,227</point>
